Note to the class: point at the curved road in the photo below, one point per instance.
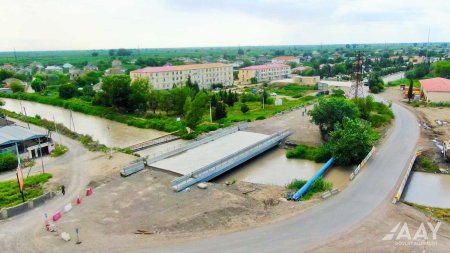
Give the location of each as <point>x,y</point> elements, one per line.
<point>375,184</point>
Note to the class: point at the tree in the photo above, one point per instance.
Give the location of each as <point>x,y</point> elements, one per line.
<point>410,90</point>
<point>117,90</point>
<point>187,106</point>
<point>376,83</point>
<point>89,78</point>
<point>351,141</point>
<point>338,93</point>
<point>67,91</point>
<point>8,161</point>
<point>123,52</point>
<point>4,74</point>
<point>179,95</point>
<point>38,85</point>
<point>17,87</point>
<point>112,52</point>
<point>244,108</point>
<point>330,111</point>
<point>197,110</point>
<point>140,92</point>
<point>441,69</point>
<point>94,54</point>
<point>214,100</point>
<point>220,111</point>
<point>153,100</point>
<point>365,106</point>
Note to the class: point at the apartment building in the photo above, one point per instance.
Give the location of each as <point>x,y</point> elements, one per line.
<point>167,77</point>
<point>262,73</point>
<point>285,59</point>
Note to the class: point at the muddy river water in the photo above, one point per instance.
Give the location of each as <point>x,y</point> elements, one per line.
<point>428,189</point>
<point>118,135</point>
<point>274,168</point>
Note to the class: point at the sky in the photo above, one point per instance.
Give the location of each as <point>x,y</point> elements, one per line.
<point>102,24</point>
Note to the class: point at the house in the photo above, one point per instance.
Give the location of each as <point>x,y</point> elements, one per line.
<point>53,69</point>
<point>7,67</point>
<point>67,66</point>
<point>435,89</point>
<point>285,59</point>
<point>90,67</point>
<point>118,70</point>
<point>205,75</point>
<point>263,59</point>
<point>28,142</point>
<point>417,59</point>
<point>262,73</point>
<point>116,63</point>
<point>300,69</point>
<point>74,73</point>
<point>9,81</point>
<point>306,80</point>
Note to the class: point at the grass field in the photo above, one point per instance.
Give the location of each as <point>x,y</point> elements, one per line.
<point>403,81</point>
<point>320,185</point>
<point>33,187</point>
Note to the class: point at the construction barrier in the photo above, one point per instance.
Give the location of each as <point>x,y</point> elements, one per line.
<point>358,168</point>
<point>67,208</point>
<point>56,216</point>
<point>78,200</point>
<point>89,191</point>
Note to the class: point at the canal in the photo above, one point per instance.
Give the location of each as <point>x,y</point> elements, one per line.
<point>428,189</point>
<point>110,133</point>
<point>274,168</point>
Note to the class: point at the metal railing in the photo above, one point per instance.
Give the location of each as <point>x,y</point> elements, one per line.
<point>153,142</point>
<point>200,141</point>
<point>220,166</point>
<point>132,168</point>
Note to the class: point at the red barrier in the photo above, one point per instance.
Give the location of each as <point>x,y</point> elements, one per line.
<point>78,200</point>
<point>89,191</point>
<point>56,216</point>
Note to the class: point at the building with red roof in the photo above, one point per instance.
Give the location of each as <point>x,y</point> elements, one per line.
<point>435,89</point>
<point>285,59</point>
<point>261,73</point>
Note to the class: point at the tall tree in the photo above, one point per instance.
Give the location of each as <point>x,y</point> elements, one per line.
<point>117,90</point>
<point>220,111</point>
<point>410,90</point>
<point>140,92</point>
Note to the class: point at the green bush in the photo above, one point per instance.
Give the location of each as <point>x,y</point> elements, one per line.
<point>318,154</point>
<point>8,161</point>
<point>260,117</point>
<point>59,150</point>
<point>320,185</point>
<point>428,165</point>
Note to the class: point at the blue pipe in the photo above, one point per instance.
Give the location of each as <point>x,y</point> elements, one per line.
<point>299,194</point>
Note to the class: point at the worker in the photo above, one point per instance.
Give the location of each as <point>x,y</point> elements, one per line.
<point>63,190</point>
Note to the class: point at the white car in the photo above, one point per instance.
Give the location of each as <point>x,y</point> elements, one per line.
<point>273,94</point>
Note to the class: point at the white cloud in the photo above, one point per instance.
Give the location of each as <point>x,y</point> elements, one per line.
<point>85,24</point>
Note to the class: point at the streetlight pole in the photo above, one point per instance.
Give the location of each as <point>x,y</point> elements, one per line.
<point>40,151</point>
<point>210,112</point>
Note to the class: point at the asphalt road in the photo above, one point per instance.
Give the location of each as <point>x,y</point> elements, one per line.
<point>375,185</point>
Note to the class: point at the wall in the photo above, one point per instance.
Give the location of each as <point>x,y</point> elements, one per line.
<point>437,96</point>
<point>21,208</point>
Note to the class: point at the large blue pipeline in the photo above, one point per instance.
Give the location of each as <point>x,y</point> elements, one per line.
<point>299,194</point>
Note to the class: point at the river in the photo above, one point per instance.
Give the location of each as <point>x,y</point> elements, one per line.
<point>428,189</point>
<point>119,135</point>
<point>274,168</point>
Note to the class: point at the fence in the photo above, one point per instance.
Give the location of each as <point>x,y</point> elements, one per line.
<point>132,168</point>
<point>154,142</point>
<point>29,204</point>
<point>356,171</point>
<point>220,166</point>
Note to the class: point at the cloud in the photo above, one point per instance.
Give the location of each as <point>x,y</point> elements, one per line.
<point>86,24</point>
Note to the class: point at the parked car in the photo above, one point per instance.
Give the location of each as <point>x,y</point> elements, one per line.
<point>273,94</point>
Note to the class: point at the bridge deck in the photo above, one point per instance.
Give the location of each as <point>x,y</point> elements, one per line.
<point>193,159</point>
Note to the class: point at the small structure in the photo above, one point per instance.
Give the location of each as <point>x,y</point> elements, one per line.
<point>285,59</point>
<point>53,69</point>
<point>90,67</point>
<point>262,73</point>
<point>9,81</point>
<point>306,80</point>
<point>28,141</point>
<point>435,89</point>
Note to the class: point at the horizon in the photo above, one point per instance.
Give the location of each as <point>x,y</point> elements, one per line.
<point>65,25</point>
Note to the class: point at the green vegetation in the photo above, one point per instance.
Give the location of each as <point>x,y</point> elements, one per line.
<point>441,69</point>
<point>32,188</point>
<point>440,213</point>
<point>404,81</point>
<point>376,83</point>
<point>351,141</point>
<point>320,185</point>
<point>427,165</point>
<point>293,90</point>
<point>8,161</point>
<point>318,154</point>
<point>346,125</point>
<point>59,150</point>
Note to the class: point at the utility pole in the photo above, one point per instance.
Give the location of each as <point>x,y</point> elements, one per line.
<point>210,112</point>
<point>357,89</point>
<point>26,116</point>
<point>19,174</point>
<point>42,160</point>
<point>110,148</point>
<point>56,129</point>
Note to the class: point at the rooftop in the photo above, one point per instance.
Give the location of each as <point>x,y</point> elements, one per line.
<point>285,58</point>
<point>12,134</point>
<point>266,66</point>
<point>436,84</point>
<point>180,68</point>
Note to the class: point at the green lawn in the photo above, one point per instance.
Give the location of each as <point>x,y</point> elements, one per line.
<point>403,81</point>
<point>33,187</point>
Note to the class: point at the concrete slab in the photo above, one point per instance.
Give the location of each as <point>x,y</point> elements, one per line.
<point>198,157</point>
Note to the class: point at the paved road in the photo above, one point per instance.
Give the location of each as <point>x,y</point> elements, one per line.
<point>373,186</point>
<point>393,77</point>
<point>16,233</point>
